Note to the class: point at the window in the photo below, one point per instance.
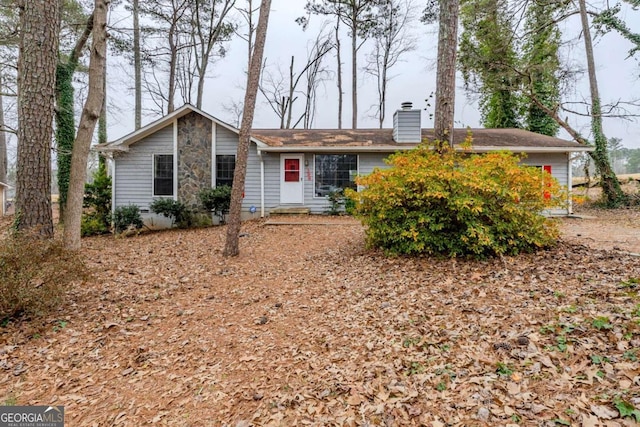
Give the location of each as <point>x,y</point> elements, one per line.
<point>335,172</point>
<point>163,175</point>
<point>225,165</point>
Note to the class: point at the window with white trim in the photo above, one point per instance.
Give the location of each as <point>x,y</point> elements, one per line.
<point>163,174</point>
<point>225,167</point>
<point>334,172</point>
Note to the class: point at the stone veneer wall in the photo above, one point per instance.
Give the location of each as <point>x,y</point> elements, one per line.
<point>194,157</point>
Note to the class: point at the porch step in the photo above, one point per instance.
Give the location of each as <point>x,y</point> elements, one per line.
<point>290,211</point>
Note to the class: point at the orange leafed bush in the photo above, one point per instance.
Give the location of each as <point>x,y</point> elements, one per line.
<point>458,204</point>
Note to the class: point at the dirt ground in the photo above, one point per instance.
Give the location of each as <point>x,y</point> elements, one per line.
<point>308,327</point>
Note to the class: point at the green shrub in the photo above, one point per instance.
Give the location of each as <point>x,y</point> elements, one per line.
<point>336,201</point>
<point>216,200</point>
<point>92,225</point>
<point>125,217</point>
<point>457,204</point>
<point>349,203</point>
<point>176,211</point>
<point>201,219</point>
<point>97,194</point>
<point>35,274</point>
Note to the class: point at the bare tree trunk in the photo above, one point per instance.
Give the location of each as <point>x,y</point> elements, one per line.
<point>446,73</point>
<point>206,35</point>
<point>137,65</point>
<point>90,115</point>
<point>3,140</point>
<point>40,29</point>
<point>339,58</point>
<point>255,67</point>
<point>354,72</point>
<point>203,65</point>
<point>290,99</point>
<point>102,122</point>
<point>609,181</point>
<point>173,65</point>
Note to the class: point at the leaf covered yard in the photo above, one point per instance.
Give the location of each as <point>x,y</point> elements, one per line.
<point>308,327</point>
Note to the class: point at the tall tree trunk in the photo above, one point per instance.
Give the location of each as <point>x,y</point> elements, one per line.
<point>446,73</point>
<point>3,139</point>
<point>354,72</point>
<point>339,58</point>
<point>609,181</point>
<point>137,65</point>
<point>90,115</point>
<point>102,122</point>
<point>40,29</point>
<point>253,79</point>
<point>173,65</point>
<point>201,80</point>
<point>290,97</point>
<point>65,113</point>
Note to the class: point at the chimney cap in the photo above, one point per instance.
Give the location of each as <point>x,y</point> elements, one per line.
<point>407,105</point>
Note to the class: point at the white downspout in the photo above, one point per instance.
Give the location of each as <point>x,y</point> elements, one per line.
<point>113,183</point>
<point>570,183</point>
<point>261,184</point>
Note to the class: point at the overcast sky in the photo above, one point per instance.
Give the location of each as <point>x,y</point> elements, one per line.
<point>414,79</point>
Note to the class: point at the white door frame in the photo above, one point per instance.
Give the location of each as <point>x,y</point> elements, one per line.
<point>292,193</point>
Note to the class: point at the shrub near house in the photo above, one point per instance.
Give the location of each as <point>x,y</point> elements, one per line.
<point>457,204</point>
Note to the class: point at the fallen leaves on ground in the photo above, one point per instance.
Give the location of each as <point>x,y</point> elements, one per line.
<point>308,327</point>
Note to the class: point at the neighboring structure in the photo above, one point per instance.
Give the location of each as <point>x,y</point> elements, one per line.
<point>3,197</point>
<point>189,150</point>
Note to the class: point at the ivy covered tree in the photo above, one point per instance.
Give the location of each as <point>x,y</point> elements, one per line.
<point>487,58</point>
<point>542,65</point>
<point>65,102</point>
<point>609,20</point>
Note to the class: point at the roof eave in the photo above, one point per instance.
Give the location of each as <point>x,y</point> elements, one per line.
<point>153,127</point>
<point>519,149</point>
<point>112,148</point>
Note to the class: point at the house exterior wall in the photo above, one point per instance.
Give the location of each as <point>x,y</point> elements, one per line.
<point>560,165</point>
<point>227,144</point>
<point>367,162</point>
<point>194,157</point>
<point>133,170</point>
<point>318,205</point>
<point>192,142</point>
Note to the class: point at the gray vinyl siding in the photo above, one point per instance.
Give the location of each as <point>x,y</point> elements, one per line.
<point>558,162</point>
<point>367,162</point>
<point>271,180</point>
<point>226,141</point>
<point>559,170</point>
<point>407,126</point>
<point>318,205</point>
<point>226,144</point>
<point>134,169</point>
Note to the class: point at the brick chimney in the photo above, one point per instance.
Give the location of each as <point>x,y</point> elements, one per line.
<point>407,126</point>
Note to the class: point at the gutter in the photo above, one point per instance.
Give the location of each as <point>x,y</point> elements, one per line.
<point>394,148</point>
